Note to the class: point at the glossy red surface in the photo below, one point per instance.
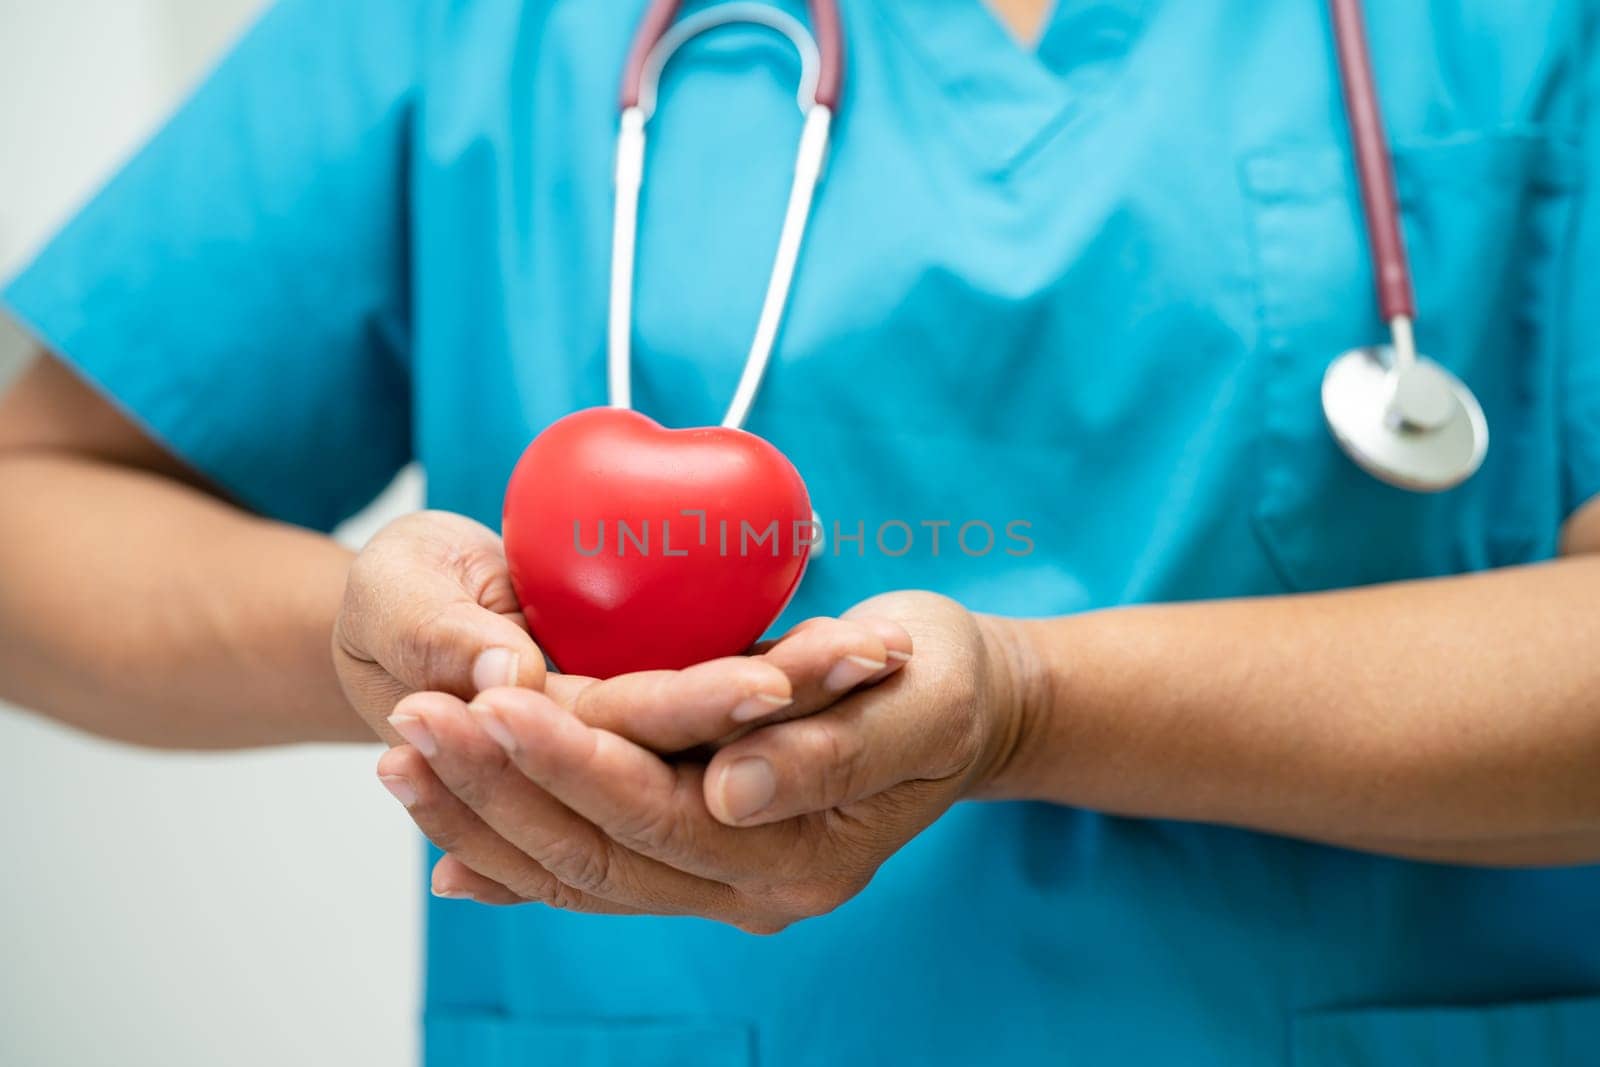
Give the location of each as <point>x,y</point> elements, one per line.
<point>612,574</point>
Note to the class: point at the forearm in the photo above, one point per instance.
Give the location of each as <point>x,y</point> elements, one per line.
<point>138,608</point>
<point>1454,720</point>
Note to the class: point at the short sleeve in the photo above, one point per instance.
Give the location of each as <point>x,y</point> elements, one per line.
<point>241,287</point>
<point>1581,369</point>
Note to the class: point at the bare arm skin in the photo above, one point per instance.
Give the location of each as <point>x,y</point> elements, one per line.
<point>1456,719</point>
<point>136,604</point>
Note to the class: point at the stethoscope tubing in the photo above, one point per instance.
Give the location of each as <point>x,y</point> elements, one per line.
<point>1374,160</point>
<point>826,30</point>
<point>1400,416</point>
<point>660,37</point>
<point>1374,163</point>
<point>1393,423</point>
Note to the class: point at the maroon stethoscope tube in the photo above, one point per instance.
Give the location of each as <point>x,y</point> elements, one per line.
<point>1374,164</point>
<point>825,27</point>
<point>660,15</point>
<point>1373,161</point>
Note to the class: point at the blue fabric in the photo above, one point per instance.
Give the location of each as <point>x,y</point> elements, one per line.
<point>1092,289</point>
<point>241,287</point>
<point>1553,1031</point>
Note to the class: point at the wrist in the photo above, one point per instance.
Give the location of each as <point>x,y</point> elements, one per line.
<point>313,706</point>
<point>1070,684</point>
<point>1016,698</point>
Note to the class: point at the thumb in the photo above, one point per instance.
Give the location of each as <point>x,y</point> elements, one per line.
<point>462,648</point>
<point>855,750</point>
<point>429,602</point>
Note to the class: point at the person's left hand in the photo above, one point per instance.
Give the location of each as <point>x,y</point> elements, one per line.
<point>785,823</point>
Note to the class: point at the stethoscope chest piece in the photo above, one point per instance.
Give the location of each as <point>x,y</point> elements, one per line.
<point>1411,424</point>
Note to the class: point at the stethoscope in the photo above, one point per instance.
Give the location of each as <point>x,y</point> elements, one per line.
<point>1402,417</point>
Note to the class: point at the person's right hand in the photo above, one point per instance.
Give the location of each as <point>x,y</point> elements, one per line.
<point>510,840</point>
<point>428,606</point>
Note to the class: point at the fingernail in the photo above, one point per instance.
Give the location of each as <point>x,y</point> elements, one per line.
<point>403,790</point>
<point>494,726</point>
<point>759,706</point>
<point>416,733</point>
<point>748,787</point>
<point>850,672</point>
<point>453,894</point>
<point>898,657</point>
<point>494,667</point>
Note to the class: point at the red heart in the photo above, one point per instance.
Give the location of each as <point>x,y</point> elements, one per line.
<point>613,576</point>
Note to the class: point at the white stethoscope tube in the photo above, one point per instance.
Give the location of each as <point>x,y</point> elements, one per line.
<point>809,163</point>
<point>1399,415</point>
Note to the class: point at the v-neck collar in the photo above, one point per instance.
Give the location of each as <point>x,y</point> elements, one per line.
<point>1006,98</point>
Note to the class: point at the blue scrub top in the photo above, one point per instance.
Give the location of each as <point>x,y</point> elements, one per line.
<point>1093,289</point>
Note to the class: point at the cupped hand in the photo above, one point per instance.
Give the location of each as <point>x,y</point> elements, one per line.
<point>429,608</point>
<point>786,822</point>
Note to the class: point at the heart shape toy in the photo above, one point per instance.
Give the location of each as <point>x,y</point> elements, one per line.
<point>635,547</point>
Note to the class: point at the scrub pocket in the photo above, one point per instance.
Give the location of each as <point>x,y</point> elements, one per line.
<point>1557,1033</point>
<point>468,1039</point>
<point>1486,217</point>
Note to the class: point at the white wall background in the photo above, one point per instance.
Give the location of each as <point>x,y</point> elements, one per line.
<point>245,910</point>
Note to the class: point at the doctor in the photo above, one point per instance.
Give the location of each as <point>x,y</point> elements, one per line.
<point>1082,267</point>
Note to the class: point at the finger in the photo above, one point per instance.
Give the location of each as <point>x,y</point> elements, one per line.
<point>669,711</point>
<point>478,771</point>
<point>430,602</point>
<point>826,658</point>
<point>453,879</point>
<point>455,829</point>
<point>565,688</point>
<point>897,645</point>
<point>870,743</point>
<point>897,642</point>
<point>892,633</point>
<point>442,642</point>
<point>640,802</point>
<point>805,624</point>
